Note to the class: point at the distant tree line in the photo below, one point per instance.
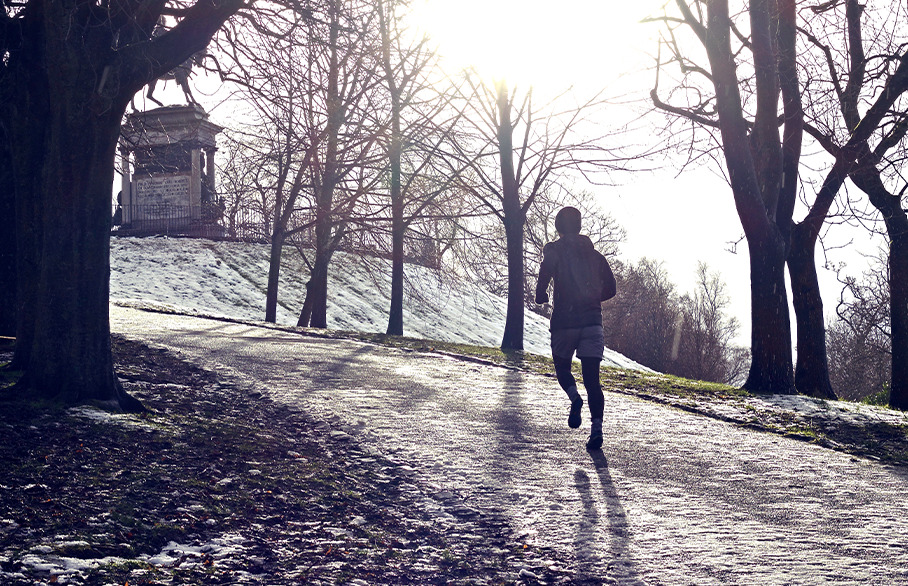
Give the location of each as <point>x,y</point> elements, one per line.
<point>859,337</point>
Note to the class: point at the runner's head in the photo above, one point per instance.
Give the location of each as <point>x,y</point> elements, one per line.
<point>567,221</point>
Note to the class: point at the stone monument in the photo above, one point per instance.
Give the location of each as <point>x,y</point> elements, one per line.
<point>168,171</point>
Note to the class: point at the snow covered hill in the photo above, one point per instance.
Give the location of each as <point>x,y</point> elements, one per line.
<point>229,279</point>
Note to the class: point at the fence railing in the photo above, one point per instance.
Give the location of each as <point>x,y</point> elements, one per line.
<point>205,221</point>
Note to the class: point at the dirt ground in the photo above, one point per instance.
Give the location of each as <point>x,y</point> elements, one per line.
<point>217,484</point>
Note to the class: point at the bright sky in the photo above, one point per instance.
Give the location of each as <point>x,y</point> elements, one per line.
<point>601,44</point>
<point>551,45</point>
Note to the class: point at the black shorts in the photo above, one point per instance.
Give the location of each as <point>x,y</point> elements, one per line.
<point>588,342</point>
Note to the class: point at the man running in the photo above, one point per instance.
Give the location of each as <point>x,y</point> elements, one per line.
<point>583,280</point>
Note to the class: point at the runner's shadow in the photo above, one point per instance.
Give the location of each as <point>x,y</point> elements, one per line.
<point>595,544</point>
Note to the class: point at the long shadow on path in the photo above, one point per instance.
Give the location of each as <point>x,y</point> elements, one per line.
<point>589,539</point>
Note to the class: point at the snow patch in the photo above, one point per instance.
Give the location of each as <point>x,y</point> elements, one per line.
<point>229,279</point>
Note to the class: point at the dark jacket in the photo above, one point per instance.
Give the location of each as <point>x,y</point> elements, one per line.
<point>583,280</point>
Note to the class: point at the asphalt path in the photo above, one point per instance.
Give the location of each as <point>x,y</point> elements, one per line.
<point>672,498</point>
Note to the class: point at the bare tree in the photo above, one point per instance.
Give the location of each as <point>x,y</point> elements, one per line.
<point>67,73</point>
<point>703,350</point>
<point>860,339</point>
<point>762,165</point>
<point>641,320</point>
<point>421,122</point>
<point>854,97</point>
<point>309,77</point>
<point>507,175</point>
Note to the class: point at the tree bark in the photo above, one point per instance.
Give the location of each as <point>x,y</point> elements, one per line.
<point>274,273</point>
<point>867,178</point>
<point>398,226</point>
<point>514,220</point>
<point>771,362</point>
<point>315,307</point>
<point>762,192</point>
<point>9,304</point>
<point>812,366</point>
<point>63,91</point>
<point>898,299</point>
<point>396,311</point>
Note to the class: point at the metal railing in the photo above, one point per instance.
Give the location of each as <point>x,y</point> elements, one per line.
<point>208,220</point>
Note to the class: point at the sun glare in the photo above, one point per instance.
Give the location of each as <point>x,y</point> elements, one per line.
<point>550,45</point>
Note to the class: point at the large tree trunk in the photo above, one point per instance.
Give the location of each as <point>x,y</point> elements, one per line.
<point>898,299</point>
<point>514,220</point>
<point>8,298</point>
<point>64,88</point>
<point>64,334</point>
<point>763,172</point>
<point>812,366</point>
<point>771,361</point>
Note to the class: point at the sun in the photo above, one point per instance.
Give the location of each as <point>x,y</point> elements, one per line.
<point>549,45</point>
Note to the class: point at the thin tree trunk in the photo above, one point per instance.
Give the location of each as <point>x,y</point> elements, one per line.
<point>274,272</point>
<point>867,178</point>
<point>396,313</point>
<point>514,321</point>
<point>514,220</point>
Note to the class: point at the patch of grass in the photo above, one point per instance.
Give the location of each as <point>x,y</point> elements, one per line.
<point>880,399</point>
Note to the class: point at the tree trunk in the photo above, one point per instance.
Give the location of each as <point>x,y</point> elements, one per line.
<point>771,361</point>
<point>396,313</point>
<point>867,178</point>
<point>306,311</point>
<point>514,321</point>
<point>64,335</point>
<point>274,272</point>
<point>8,282</point>
<point>514,220</point>
<point>898,299</point>
<point>812,367</point>
<point>315,307</point>
<point>63,91</point>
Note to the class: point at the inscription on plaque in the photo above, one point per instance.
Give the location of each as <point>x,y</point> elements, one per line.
<point>156,194</point>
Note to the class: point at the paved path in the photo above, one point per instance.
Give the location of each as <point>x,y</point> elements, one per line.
<point>673,498</point>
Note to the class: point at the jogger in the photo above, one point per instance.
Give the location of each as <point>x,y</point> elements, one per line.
<point>583,280</point>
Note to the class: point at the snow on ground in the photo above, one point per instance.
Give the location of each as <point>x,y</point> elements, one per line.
<point>229,279</point>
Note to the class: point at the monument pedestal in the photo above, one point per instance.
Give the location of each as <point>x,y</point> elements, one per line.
<point>168,170</point>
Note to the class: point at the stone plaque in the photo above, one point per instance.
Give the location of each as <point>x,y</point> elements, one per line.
<point>166,190</point>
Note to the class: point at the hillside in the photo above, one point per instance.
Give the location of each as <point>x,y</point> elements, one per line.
<point>229,279</point>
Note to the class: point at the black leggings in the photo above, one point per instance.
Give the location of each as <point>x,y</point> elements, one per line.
<point>589,367</point>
